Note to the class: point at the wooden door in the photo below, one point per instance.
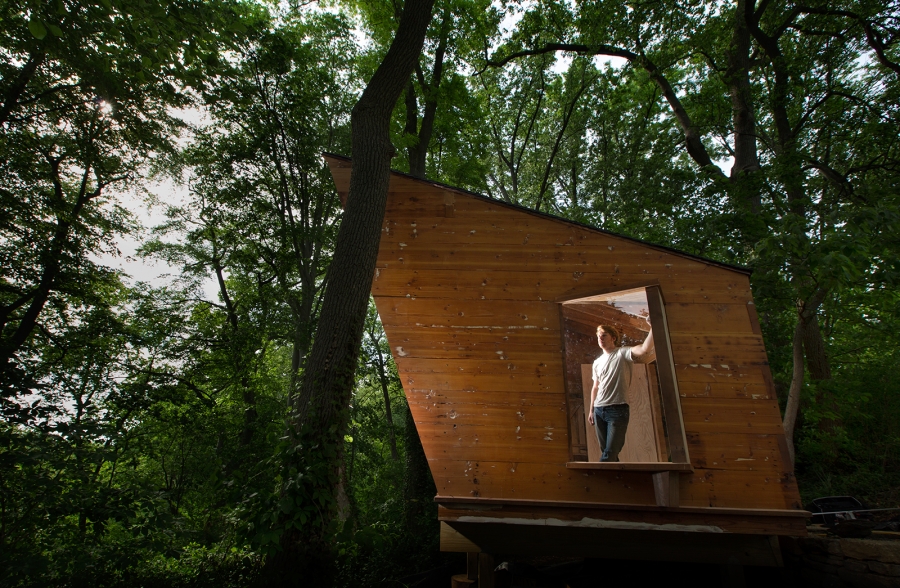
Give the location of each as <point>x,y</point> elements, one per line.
<point>640,439</point>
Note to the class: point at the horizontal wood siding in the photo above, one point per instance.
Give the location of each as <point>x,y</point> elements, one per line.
<point>467,291</point>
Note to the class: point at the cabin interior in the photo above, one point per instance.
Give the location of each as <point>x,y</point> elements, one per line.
<point>627,311</point>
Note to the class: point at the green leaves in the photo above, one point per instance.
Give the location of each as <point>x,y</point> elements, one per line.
<point>37,28</point>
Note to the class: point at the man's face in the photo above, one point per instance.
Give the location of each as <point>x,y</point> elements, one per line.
<point>605,340</point>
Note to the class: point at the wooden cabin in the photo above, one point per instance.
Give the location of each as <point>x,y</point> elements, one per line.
<point>491,312</point>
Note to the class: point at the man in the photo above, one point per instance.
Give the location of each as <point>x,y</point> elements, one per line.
<point>612,377</point>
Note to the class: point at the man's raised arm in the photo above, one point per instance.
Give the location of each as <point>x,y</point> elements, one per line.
<point>645,352</point>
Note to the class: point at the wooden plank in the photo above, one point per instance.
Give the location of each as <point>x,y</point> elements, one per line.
<point>596,313</point>
<point>594,452</point>
<point>632,466</point>
<point>472,441</point>
<point>737,451</point>
<point>431,308</point>
<point>621,544</point>
<point>471,314</point>
<point>677,443</point>
<point>478,337</point>
<point>539,480</point>
<point>642,524</point>
<point>715,415</point>
<point>523,343</point>
<point>739,489</point>
<point>518,478</point>
<point>453,507</point>
<point>500,230</point>
<point>515,419</point>
<point>754,318</point>
<point>467,258</point>
<point>708,318</point>
<point>731,373</point>
<point>665,488</point>
<point>718,349</point>
<point>723,390</point>
<point>590,433</point>
<point>523,284</point>
<point>662,446</point>
<point>526,451</point>
<point>579,349</point>
<point>513,381</point>
<point>496,352</point>
<point>507,399</point>
<point>640,437</point>
<point>537,369</point>
<point>578,433</point>
<point>632,330</point>
<point>559,280</point>
<point>480,228</point>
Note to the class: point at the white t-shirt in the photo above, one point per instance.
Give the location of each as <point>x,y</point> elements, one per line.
<point>613,372</point>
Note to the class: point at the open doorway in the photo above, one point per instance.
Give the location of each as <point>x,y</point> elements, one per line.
<point>652,405</point>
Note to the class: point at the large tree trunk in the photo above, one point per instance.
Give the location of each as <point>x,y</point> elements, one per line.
<point>319,410</point>
<point>792,408</point>
<point>418,151</point>
<point>807,341</point>
<point>746,158</point>
<point>789,167</point>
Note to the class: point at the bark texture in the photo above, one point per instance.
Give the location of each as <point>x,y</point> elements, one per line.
<point>746,158</point>
<point>319,409</point>
<point>418,151</point>
<point>792,408</point>
<point>331,364</point>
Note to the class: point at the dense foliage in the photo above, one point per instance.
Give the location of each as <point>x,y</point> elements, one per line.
<point>143,433</point>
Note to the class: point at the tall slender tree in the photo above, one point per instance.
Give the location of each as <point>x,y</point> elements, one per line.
<point>319,408</point>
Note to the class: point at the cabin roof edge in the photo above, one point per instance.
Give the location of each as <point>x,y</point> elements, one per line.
<point>722,264</point>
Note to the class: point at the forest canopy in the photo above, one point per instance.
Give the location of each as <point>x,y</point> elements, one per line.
<point>152,433</point>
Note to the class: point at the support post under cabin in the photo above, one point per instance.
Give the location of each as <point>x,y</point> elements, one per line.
<point>665,488</point>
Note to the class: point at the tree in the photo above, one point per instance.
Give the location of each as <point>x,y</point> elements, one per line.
<point>86,98</point>
<point>264,212</point>
<point>318,419</point>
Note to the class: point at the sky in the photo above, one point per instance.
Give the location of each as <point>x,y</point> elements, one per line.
<point>167,192</point>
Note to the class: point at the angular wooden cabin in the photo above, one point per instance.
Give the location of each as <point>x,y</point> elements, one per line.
<point>491,311</point>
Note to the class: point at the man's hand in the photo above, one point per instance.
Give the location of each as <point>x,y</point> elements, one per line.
<point>591,417</point>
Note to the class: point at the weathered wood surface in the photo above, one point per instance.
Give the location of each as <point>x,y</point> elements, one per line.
<point>774,521</point>
<point>467,290</point>
<point>662,444</point>
<point>594,451</point>
<point>670,400</point>
<point>632,466</point>
<point>701,286</point>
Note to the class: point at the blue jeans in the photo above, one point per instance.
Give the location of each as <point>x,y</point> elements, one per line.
<point>611,422</point>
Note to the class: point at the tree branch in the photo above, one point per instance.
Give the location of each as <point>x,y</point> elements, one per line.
<point>692,135</point>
